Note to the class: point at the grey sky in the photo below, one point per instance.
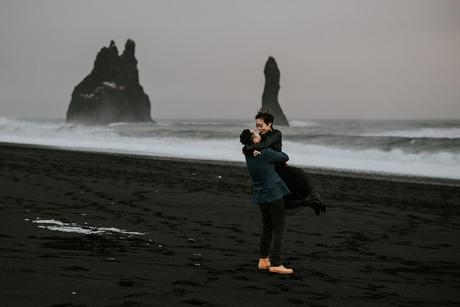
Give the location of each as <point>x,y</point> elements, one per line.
<point>204,59</point>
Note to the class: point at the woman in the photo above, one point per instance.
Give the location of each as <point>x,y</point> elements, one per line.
<point>302,193</point>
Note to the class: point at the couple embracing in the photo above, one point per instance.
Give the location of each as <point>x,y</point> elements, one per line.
<point>277,189</point>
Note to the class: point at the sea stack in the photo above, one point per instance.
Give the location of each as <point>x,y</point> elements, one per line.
<point>270,96</point>
<point>111,92</point>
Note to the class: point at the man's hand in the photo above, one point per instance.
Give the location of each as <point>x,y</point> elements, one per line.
<point>256,153</point>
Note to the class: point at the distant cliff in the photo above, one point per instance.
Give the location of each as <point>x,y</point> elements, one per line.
<point>111,92</point>
<point>270,96</point>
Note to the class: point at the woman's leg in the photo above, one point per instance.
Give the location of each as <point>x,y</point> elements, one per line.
<point>296,180</point>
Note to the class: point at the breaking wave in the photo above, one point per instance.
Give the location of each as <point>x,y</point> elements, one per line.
<point>431,152</point>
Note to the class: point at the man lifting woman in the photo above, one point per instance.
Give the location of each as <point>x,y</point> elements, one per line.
<point>277,188</point>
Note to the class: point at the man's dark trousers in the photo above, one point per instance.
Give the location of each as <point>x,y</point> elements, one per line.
<point>274,227</point>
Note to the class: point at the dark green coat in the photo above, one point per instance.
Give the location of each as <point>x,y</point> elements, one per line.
<point>267,184</point>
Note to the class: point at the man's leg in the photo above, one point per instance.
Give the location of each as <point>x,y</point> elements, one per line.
<point>278,218</point>
<point>277,212</point>
<point>267,228</point>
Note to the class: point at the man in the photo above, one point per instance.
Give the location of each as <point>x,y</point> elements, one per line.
<point>268,192</point>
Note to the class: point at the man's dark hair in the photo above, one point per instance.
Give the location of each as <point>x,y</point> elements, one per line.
<point>246,137</point>
<point>265,116</point>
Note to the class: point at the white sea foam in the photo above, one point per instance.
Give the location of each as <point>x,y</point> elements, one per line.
<point>301,123</point>
<point>143,139</point>
<point>116,124</point>
<point>85,229</point>
<point>449,133</point>
<point>442,164</point>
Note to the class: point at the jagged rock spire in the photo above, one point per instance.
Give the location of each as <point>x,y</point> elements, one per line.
<point>111,92</point>
<point>128,53</point>
<point>270,95</point>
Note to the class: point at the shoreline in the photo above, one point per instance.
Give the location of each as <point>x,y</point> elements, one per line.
<point>437,181</point>
<point>174,232</point>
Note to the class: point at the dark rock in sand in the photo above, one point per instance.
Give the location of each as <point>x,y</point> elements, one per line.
<point>270,96</point>
<point>111,92</point>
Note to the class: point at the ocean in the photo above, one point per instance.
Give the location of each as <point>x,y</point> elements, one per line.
<point>427,148</point>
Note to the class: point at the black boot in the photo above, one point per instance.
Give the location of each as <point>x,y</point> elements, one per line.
<point>309,201</point>
<point>316,196</point>
<point>314,204</point>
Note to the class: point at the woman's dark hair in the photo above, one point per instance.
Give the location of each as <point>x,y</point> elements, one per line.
<point>246,137</point>
<point>265,116</point>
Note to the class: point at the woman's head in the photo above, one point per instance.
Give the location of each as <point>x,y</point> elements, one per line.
<point>249,137</point>
<point>264,122</point>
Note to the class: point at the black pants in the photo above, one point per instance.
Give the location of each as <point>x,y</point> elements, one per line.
<point>273,230</point>
<point>298,183</point>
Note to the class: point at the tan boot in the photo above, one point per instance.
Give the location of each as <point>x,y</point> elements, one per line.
<point>264,264</point>
<point>281,270</point>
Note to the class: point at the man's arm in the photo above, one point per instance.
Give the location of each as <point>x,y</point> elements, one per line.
<point>274,156</point>
<point>274,139</point>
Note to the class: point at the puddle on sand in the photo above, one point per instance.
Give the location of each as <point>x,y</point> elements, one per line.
<point>86,229</point>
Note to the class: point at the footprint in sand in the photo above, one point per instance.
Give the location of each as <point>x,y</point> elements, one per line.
<point>294,300</point>
<point>179,291</point>
<point>195,301</point>
<point>75,268</point>
<point>236,229</point>
<point>241,277</point>
<point>167,252</point>
<point>126,283</point>
<point>187,282</point>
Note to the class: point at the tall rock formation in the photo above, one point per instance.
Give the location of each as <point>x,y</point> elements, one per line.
<point>111,92</point>
<point>270,96</point>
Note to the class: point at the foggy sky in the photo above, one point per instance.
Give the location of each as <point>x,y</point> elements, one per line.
<point>205,59</point>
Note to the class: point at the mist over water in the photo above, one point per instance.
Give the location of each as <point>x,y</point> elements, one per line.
<point>423,147</point>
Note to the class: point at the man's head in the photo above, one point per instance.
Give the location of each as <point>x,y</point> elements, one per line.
<point>249,137</point>
<point>264,122</point>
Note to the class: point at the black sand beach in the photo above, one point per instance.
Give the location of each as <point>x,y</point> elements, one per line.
<point>382,242</point>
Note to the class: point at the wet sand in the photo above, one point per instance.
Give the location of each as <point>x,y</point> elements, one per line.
<point>383,241</point>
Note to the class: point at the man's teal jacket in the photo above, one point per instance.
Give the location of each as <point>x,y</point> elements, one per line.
<point>267,184</point>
